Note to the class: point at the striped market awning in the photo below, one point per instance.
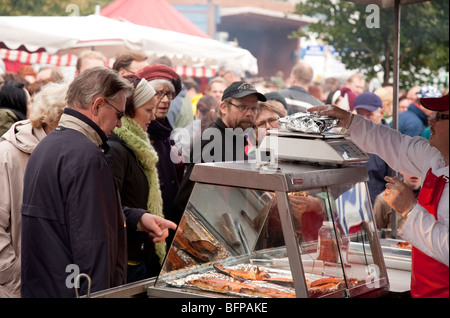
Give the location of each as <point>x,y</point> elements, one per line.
<point>70,60</point>
<point>186,71</point>
<point>38,58</point>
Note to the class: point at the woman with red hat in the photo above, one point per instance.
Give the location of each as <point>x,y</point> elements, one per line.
<point>167,84</point>
<point>426,225</point>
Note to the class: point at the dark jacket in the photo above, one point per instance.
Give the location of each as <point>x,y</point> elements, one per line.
<point>237,154</point>
<point>413,121</point>
<point>159,133</point>
<point>72,219</point>
<point>133,188</point>
<point>377,169</point>
<point>298,99</point>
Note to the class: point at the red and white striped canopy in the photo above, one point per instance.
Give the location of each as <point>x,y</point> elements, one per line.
<point>38,58</point>
<point>70,59</point>
<point>61,36</point>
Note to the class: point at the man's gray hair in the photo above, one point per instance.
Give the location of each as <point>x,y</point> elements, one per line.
<point>96,82</point>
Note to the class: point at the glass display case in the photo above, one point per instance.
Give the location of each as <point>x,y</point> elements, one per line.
<point>299,231</point>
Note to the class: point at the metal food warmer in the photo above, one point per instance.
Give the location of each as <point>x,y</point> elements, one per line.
<point>276,228</point>
<point>252,233</point>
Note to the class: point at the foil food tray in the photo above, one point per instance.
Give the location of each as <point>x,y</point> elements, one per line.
<point>279,280</point>
<point>308,123</point>
<point>185,283</point>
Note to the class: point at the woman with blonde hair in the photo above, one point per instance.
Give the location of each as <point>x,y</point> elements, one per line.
<point>16,146</point>
<point>387,100</point>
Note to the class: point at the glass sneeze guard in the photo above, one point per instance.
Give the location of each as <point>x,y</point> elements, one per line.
<point>284,234</point>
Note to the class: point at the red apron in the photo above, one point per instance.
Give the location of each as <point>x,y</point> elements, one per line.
<point>429,278</point>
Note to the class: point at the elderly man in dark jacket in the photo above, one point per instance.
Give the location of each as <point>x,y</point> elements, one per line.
<point>72,219</point>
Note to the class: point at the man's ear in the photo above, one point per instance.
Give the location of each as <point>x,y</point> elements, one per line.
<point>223,108</point>
<point>95,106</point>
<point>292,80</point>
<point>122,72</point>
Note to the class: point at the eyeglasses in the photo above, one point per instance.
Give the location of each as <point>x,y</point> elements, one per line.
<point>170,95</point>
<point>270,121</point>
<point>440,116</point>
<point>131,72</point>
<point>244,109</point>
<point>119,113</point>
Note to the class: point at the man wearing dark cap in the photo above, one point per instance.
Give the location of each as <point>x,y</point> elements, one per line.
<point>426,225</point>
<point>225,139</point>
<point>239,105</point>
<point>370,107</point>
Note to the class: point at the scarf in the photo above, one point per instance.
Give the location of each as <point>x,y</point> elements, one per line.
<point>137,140</point>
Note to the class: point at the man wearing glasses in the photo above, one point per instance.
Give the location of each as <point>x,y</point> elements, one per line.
<point>426,225</point>
<point>72,219</point>
<point>226,139</point>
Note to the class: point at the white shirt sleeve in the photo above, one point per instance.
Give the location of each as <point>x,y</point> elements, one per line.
<point>433,238</point>
<point>400,152</point>
<point>415,156</point>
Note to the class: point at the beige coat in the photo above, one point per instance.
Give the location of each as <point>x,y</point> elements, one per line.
<point>16,146</point>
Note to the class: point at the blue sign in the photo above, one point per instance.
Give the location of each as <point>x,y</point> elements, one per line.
<point>315,50</point>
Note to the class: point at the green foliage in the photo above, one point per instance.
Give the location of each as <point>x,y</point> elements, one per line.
<point>48,7</point>
<point>424,39</point>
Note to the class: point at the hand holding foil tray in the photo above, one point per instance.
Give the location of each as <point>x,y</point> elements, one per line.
<point>308,123</point>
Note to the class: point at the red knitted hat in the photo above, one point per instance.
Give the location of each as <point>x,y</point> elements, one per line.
<point>160,71</point>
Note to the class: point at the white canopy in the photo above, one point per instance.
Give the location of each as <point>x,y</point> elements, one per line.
<point>61,35</point>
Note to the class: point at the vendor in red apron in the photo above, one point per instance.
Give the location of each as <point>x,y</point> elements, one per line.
<point>426,225</point>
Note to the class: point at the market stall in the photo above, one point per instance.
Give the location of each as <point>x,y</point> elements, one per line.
<point>284,228</point>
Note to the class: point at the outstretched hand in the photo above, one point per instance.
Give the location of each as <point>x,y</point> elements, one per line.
<point>399,195</point>
<point>345,118</point>
<point>156,226</point>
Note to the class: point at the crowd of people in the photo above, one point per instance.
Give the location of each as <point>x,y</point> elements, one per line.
<point>94,170</point>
